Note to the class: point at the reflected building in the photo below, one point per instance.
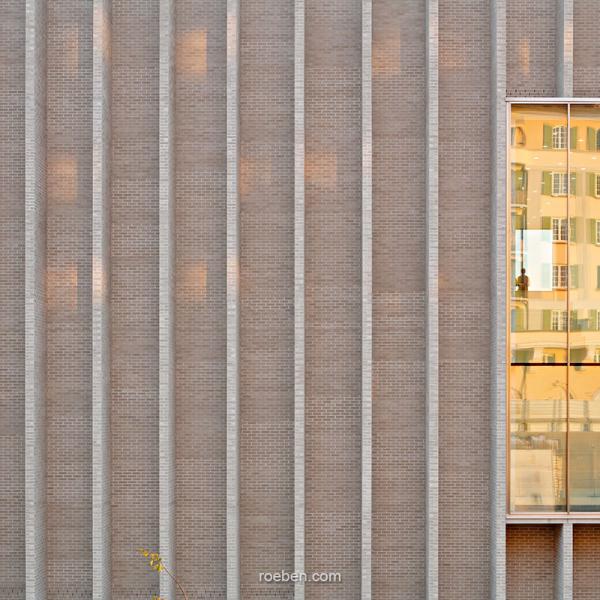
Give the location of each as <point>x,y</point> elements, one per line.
<point>554,308</point>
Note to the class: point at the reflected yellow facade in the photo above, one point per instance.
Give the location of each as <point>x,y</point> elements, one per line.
<point>554,290</point>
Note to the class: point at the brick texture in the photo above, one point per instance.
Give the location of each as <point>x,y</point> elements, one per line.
<point>267,295</point>
<point>530,561</point>
<point>59,186</point>
<point>586,576</point>
<point>531,47</point>
<point>586,49</point>
<point>12,264</point>
<point>200,162</point>
<point>333,305</point>
<point>464,299</point>
<point>68,307</point>
<point>134,301</point>
<point>398,299</point>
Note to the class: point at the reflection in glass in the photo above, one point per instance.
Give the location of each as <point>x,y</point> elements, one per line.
<point>554,283</point>
<point>584,438</point>
<point>539,230</point>
<point>538,425</point>
<point>584,246</point>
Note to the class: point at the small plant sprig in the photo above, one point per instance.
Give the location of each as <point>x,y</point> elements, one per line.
<point>155,562</point>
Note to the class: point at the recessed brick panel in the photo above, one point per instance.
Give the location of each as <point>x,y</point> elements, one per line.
<point>531,561</point>
<point>586,575</point>
<point>12,265</point>
<point>333,295</point>
<point>586,49</point>
<point>531,47</point>
<point>68,306</point>
<point>200,164</point>
<point>267,295</point>
<point>134,295</point>
<point>464,299</point>
<point>398,300</point>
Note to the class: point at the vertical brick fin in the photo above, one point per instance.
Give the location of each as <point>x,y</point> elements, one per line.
<point>233,301</point>
<point>367,299</point>
<point>101,200</point>
<point>564,47</point>
<point>432,305</point>
<point>498,305</point>
<point>166,318</point>
<point>35,298</point>
<point>563,589</point>
<point>299,388</point>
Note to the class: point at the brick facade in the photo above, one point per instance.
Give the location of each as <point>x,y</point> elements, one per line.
<point>83,96</point>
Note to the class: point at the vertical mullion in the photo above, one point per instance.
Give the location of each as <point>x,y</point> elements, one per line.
<point>499,362</point>
<point>367,300</point>
<point>166,373</point>
<point>432,306</point>
<point>35,266</point>
<point>564,65</point>
<point>233,302</point>
<point>568,361</point>
<point>299,327</point>
<point>101,455</point>
<point>564,562</point>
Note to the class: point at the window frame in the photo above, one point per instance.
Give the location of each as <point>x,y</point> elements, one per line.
<point>563,183</point>
<point>504,290</point>
<point>560,134</point>
<point>562,229</point>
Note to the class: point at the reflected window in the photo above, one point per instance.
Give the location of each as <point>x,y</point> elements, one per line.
<point>559,276</point>
<point>559,137</point>
<point>559,229</point>
<point>559,184</point>
<point>554,312</point>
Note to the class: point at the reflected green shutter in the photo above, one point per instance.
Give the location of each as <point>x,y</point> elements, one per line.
<point>573,184</point>
<point>591,139</point>
<point>573,138</point>
<point>575,276</point>
<point>591,229</point>
<point>593,319</point>
<point>547,136</point>
<point>591,184</point>
<point>598,277</point>
<point>546,320</point>
<point>574,323</point>
<point>519,222</point>
<point>546,183</point>
<point>575,228</point>
<point>512,135</point>
<point>546,222</point>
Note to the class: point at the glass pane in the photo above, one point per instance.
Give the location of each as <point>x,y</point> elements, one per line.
<point>538,438</point>
<point>584,438</point>
<point>538,245</point>
<point>584,250</point>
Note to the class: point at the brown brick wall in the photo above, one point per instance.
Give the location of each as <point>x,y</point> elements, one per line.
<point>464,305</point>
<point>586,575</point>
<point>333,306</point>
<point>586,49</point>
<point>68,307</point>
<point>12,265</point>
<point>200,296</point>
<point>267,295</point>
<point>531,47</point>
<point>333,294</point>
<point>530,561</point>
<point>398,299</point>
<point>134,301</point>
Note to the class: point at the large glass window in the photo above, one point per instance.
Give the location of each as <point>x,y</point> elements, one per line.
<point>554,283</point>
